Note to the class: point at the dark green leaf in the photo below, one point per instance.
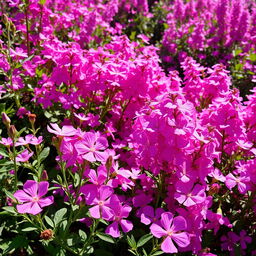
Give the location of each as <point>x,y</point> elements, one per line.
<point>43,154</point>
<point>144,239</point>
<point>105,237</point>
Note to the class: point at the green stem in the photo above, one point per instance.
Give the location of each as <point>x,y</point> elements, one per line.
<point>27,29</point>
<point>92,234</point>
<point>15,165</point>
<point>63,245</point>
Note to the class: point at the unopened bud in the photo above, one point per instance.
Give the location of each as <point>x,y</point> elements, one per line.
<point>12,132</point>
<point>6,120</point>
<point>44,176</point>
<point>109,162</point>
<point>214,189</point>
<point>5,19</point>
<point>46,234</point>
<point>31,118</point>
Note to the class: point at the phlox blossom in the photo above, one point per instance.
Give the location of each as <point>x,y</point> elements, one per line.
<point>32,197</point>
<point>170,228</point>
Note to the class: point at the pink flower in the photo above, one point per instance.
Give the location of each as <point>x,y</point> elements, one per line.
<point>91,146</point>
<point>67,130</point>
<point>31,197</point>
<point>24,156</point>
<point>188,194</point>
<point>119,213</point>
<point>100,199</point>
<point>170,228</point>
<point>148,214</point>
<point>232,181</point>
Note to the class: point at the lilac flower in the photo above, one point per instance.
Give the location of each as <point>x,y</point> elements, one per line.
<point>31,197</point>
<point>170,228</point>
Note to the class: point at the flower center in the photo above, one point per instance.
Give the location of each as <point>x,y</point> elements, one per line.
<point>35,199</point>
<point>92,149</point>
<point>101,203</point>
<point>169,233</point>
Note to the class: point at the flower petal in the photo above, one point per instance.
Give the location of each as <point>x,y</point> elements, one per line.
<point>166,220</point>
<point>30,187</point>
<point>157,231</point>
<point>181,239</point>
<point>168,246</point>
<point>179,223</point>
<point>126,225</point>
<point>95,211</point>
<point>113,230</point>
<point>21,196</point>
<point>89,157</point>
<point>24,208</point>
<point>35,209</point>
<point>42,188</point>
<point>46,201</point>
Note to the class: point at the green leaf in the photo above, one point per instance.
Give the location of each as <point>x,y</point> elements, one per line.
<point>9,209</point>
<point>157,253</point>
<point>59,215</point>
<point>131,241</point>
<point>18,242</point>
<point>10,195</point>
<point>106,237</point>
<point>3,152</point>
<point>144,239</point>
<point>82,234</point>
<point>131,251</point>
<point>43,154</point>
<point>49,221</point>
<point>28,229</point>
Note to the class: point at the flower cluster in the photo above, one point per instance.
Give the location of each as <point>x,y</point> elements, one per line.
<point>111,144</point>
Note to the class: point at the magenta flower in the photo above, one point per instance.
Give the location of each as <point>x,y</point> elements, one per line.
<point>241,182</point>
<point>149,215</point>
<point>120,212</point>
<point>91,146</point>
<point>170,228</point>
<point>99,198</point>
<point>24,156</point>
<point>244,239</point>
<point>31,197</point>
<point>188,194</point>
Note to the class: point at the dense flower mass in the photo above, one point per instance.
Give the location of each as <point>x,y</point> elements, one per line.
<point>136,118</point>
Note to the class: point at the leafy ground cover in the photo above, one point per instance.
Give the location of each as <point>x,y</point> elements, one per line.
<point>128,127</point>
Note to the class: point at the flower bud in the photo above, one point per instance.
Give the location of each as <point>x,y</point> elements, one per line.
<point>6,120</point>
<point>46,234</point>
<point>109,162</point>
<point>32,118</point>
<point>12,132</point>
<point>214,189</point>
<point>44,176</point>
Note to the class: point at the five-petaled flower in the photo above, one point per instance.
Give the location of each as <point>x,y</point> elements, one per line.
<point>31,197</point>
<point>170,228</point>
